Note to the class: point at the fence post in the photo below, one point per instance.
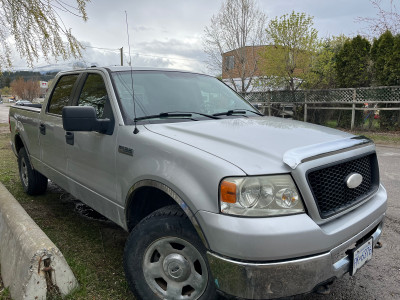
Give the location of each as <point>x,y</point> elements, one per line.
<point>305,107</point>
<point>269,102</point>
<point>264,102</point>
<point>353,109</point>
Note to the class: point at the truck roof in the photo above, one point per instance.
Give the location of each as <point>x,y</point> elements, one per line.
<point>127,68</point>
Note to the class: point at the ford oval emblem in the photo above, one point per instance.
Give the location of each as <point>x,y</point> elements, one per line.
<point>353,180</point>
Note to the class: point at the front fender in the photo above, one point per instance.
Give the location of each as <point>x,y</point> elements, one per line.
<point>167,190</point>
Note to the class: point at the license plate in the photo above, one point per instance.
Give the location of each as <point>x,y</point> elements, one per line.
<point>361,255</point>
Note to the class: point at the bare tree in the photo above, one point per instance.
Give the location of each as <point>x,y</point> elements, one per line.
<point>32,89</point>
<point>17,87</point>
<point>238,27</point>
<point>28,90</point>
<point>386,19</point>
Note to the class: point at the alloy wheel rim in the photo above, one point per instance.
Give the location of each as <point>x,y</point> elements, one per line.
<point>24,172</point>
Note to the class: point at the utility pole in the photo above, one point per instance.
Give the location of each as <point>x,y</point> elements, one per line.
<point>122,55</point>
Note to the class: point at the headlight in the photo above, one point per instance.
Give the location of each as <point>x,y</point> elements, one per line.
<point>260,196</point>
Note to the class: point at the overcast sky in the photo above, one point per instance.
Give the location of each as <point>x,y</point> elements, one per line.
<point>168,33</point>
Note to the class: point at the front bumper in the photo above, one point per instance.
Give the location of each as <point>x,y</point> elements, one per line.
<point>286,278</point>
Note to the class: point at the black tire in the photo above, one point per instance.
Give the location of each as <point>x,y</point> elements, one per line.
<point>165,259</point>
<point>33,182</point>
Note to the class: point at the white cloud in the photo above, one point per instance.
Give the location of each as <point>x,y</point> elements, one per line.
<point>167,33</point>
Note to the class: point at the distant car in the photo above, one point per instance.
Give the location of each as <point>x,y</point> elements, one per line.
<point>10,100</point>
<point>23,102</point>
<point>1,101</point>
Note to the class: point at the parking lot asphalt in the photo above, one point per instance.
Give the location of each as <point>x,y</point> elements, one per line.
<point>4,108</point>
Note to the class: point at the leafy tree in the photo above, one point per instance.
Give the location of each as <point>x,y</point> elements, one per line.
<point>295,43</point>
<point>5,91</point>
<point>322,73</point>
<point>37,30</point>
<point>353,64</point>
<point>238,24</point>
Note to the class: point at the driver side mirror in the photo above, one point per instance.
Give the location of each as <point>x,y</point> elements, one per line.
<point>83,118</point>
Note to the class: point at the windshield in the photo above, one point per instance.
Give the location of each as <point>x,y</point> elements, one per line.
<point>160,92</point>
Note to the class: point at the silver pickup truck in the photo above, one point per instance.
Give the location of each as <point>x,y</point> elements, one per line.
<point>217,197</point>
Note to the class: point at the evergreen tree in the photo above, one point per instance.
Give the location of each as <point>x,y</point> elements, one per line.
<point>353,63</point>
<point>381,53</point>
<point>322,73</point>
<point>394,63</point>
<point>385,54</point>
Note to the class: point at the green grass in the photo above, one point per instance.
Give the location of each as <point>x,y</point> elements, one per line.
<point>373,133</point>
<point>93,249</point>
<point>4,292</point>
<point>382,138</point>
<point>331,123</point>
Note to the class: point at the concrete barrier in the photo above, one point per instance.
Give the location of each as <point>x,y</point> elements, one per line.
<point>31,265</point>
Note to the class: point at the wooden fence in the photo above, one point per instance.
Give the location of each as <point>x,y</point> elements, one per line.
<point>350,99</point>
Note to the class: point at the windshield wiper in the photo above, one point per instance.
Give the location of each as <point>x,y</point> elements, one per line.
<point>201,114</point>
<point>165,115</point>
<point>175,114</point>
<point>237,111</point>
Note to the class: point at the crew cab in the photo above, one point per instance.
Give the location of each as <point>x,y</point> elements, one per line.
<point>216,196</point>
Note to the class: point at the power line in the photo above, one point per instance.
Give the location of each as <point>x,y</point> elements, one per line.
<point>142,54</point>
<point>165,57</point>
<point>116,51</point>
<point>107,49</point>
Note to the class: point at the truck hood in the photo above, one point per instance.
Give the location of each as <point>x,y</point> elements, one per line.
<point>259,145</point>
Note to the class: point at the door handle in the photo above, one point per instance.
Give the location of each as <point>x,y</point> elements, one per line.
<point>69,138</point>
<point>42,128</point>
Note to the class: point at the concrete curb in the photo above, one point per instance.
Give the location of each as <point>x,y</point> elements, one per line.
<point>30,262</point>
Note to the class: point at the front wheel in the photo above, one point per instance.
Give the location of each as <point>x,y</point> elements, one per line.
<point>164,259</point>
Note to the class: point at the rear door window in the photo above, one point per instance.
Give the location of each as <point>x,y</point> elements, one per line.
<point>62,93</point>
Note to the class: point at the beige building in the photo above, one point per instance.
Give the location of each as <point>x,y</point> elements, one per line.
<point>242,61</point>
<point>241,65</point>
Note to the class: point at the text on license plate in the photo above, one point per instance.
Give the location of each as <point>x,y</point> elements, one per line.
<point>361,255</point>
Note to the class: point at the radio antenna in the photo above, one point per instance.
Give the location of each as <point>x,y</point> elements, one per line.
<point>136,130</point>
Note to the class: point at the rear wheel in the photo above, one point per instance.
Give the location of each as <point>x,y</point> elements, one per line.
<point>33,182</point>
<point>164,259</point>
